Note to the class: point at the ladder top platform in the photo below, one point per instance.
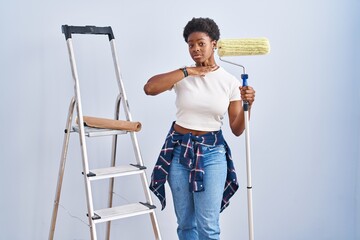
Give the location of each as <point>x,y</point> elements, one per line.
<point>98,132</point>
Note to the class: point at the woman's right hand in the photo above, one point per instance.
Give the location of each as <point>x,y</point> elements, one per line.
<point>201,70</point>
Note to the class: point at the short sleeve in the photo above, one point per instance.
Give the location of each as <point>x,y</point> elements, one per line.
<point>235,91</point>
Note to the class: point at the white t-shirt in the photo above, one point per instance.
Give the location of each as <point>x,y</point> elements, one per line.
<point>201,102</point>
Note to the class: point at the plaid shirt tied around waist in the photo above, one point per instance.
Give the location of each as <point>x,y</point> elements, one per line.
<point>191,157</point>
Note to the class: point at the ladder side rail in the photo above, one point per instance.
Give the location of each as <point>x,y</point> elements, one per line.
<point>129,118</point>
<point>155,224</point>
<point>62,168</point>
<point>134,138</point>
<point>82,139</point>
<point>119,81</point>
<point>140,161</point>
<point>113,163</point>
<point>125,101</point>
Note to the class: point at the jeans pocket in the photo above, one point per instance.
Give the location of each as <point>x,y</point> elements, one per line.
<point>211,152</point>
<point>213,149</point>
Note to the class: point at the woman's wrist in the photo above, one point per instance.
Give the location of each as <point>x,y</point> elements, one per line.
<point>185,72</point>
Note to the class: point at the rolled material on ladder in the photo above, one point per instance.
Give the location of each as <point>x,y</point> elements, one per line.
<point>111,124</point>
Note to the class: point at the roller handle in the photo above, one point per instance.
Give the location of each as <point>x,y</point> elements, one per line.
<point>244,78</point>
<point>68,30</point>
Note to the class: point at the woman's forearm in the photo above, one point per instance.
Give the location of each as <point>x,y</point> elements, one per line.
<point>162,82</point>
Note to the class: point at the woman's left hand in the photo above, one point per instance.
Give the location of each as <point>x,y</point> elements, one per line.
<point>247,94</point>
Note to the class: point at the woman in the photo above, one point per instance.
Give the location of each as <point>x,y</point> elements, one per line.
<point>195,158</point>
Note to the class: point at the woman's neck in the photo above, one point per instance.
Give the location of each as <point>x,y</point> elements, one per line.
<point>206,63</point>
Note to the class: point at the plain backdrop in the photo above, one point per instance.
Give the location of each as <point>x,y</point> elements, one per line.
<point>304,124</point>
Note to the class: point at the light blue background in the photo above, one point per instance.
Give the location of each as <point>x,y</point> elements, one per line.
<point>304,126</point>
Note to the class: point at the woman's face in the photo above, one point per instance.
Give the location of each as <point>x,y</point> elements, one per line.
<point>201,48</point>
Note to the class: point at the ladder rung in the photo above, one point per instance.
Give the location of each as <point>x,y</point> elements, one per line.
<point>124,211</point>
<point>98,132</point>
<point>103,173</point>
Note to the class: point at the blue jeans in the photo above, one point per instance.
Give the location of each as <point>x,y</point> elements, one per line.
<point>198,212</point>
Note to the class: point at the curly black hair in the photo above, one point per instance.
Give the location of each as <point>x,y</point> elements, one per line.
<point>205,25</point>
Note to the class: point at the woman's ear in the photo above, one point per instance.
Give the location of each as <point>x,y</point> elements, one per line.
<point>214,44</point>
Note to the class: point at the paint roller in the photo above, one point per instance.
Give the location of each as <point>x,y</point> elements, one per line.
<point>245,47</point>
<point>242,47</point>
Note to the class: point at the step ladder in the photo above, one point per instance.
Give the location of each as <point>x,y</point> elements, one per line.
<point>112,212</point>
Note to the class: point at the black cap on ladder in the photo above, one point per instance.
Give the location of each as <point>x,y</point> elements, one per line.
<point>68,30</point>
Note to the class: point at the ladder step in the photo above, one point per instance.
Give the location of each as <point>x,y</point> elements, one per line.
<point>98,132</point>
<point>124,211</point>
<point>110,172</point>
